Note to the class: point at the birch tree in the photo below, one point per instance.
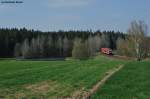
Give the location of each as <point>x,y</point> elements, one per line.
<point>25,49</point>
<point>65,46</point>
<point>60,45</point>
<point>137,34</point>
<point>97,40</point>
<point>125,47</point>
<point>80,49</point>
<point>91,46</point>
<point>48,44</point>
<point>17,50</point>
<point>105,41</point>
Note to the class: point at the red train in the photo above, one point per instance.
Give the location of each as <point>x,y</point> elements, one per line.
<point>107,51</point>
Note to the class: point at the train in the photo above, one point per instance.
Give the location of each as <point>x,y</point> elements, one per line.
<point>106,51</point>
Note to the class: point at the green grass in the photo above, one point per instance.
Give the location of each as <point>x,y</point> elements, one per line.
<point>51,79</point>
<point>132,82</point>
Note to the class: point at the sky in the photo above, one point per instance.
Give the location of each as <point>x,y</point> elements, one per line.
<point>54,15</point>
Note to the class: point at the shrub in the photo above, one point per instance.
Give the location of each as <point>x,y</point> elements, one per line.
<point>80,49</point>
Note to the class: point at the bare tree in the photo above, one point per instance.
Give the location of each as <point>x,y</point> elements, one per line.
<point>97,40</point>
<point>125,47</point>
<point>137,34</point>
<point>25,49</point>
<point>47,44</point>
<point>33,48</point>
<point>105,41</point>
<point>65,46</point>
<point>60,45</point>
<point>91,46</point>
<point>17,50</point>
<point>80,49</point>
<point>40,46</point>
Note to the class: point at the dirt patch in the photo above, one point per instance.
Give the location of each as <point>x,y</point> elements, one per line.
<point>78,94</point>
<point>43,87</point>
<point>18,95</point>
<point>48,90</point>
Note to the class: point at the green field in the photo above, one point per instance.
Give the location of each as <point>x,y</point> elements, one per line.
<point>51,79</point>
<point>132,82</point>
<point>63,79</point>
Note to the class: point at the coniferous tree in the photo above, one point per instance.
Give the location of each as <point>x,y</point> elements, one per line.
<point>48,44</point>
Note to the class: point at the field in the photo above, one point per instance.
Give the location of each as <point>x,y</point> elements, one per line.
<point>132,82</point>
<point>51,79</point>
<point>71,78</point>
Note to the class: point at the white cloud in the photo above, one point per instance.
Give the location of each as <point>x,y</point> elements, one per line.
<point>68,3</point>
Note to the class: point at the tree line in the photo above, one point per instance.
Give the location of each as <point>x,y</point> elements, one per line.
<point>37,44</point>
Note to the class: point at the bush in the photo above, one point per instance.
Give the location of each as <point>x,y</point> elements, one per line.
<point>80,49</point>
<point>125,48</point>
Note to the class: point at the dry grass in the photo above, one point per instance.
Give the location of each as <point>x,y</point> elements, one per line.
<point>42,87</point>
<point>42,90</point>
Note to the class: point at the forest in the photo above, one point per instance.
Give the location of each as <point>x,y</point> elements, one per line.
<point>37,44</point>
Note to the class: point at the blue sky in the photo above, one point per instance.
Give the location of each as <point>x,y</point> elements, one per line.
<point>50,15</point>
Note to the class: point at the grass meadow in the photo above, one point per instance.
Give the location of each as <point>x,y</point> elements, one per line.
<point>51,79</point>
<point>132,82</point>
<point>63,79</point>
